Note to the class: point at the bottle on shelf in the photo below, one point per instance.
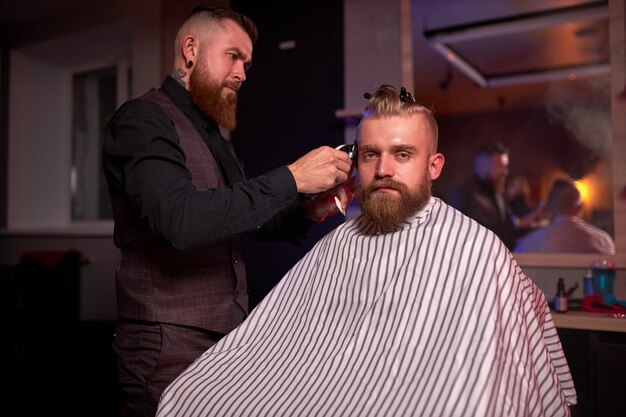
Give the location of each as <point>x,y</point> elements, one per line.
<point>560,299</point>
<point>588,283</point>
<point>604,280</point>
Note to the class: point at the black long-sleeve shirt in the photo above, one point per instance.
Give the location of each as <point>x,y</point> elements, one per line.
<point>476,198</point>
<point>142,158</point>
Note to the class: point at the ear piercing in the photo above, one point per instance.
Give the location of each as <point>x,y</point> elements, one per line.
<point>189,64</point>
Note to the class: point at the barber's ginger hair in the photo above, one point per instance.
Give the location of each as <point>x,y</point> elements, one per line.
<point>209,14</point>
<point>386,102</point>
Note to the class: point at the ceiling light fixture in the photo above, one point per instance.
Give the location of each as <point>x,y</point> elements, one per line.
<point>440,40</point>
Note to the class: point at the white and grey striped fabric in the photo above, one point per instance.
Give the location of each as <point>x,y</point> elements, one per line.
<point>433,319</point>
<point>567,234</point>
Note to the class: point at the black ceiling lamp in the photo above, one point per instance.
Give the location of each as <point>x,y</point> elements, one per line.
<point>445,83</point>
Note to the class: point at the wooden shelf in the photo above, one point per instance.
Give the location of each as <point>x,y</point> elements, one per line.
<point>583,320</point>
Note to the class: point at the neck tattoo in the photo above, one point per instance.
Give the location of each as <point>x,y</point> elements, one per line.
<point>178,75</point>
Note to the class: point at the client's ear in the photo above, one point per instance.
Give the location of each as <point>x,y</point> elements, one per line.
<point>435,165</point>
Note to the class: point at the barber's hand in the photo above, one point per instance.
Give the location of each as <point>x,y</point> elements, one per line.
<point>320,170</point>
<point>324,204</point>
<point>532,219</point>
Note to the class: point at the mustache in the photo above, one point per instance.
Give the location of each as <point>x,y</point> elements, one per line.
<point>233,85</point>
<point>385,183</point>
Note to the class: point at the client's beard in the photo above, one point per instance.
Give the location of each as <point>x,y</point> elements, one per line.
<point>206,93</point>
<point>387,210</point>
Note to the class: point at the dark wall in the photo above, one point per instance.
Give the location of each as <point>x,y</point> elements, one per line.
<point>4,117</point>
<point>287,108</point>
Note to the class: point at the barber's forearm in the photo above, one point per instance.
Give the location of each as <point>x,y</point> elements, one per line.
<point>291,224</point>
<point>195,218</point>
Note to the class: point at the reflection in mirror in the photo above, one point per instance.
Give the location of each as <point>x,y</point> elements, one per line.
<point>569,136</point>
<point>579,216</point>
<point>532,77</point>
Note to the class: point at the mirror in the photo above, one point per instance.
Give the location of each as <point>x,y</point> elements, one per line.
<point>551,90</point>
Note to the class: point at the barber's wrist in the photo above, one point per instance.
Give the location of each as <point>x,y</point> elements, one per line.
<point>314,210</point>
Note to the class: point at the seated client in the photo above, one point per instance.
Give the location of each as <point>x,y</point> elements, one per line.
<point>410,309</point>
<point>567,232</point>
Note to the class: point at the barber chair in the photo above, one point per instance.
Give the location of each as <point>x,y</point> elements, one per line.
<point>43,311</point>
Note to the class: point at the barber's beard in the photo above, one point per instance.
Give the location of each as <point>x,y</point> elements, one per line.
<point>206,93</point>
<point>390,209</point>
<point>499,185</point>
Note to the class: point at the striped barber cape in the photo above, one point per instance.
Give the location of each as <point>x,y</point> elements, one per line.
<point>433,318</point>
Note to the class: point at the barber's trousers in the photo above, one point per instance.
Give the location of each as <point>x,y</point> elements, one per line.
<point>151,355</point>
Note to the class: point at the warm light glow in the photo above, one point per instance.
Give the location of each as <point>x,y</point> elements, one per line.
<point>583,188</point>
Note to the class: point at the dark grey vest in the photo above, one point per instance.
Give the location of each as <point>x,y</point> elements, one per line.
<point>204,287</point>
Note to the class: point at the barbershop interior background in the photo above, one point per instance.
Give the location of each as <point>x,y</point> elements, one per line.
<point>544,77</point>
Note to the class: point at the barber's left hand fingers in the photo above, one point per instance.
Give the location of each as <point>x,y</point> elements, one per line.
<point>344,194</point>
<point>345,191</point>
<point>343,172</point>
<point>321,206</point>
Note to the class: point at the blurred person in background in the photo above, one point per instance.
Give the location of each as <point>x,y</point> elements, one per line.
<point>525,214</point>
<point>567,231</point>
<point>483,198</point>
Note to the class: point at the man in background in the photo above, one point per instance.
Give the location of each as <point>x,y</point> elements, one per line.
<point>181,202</point>
<point>483,196</point>
<point>410,309</point>
<point>567,232</point>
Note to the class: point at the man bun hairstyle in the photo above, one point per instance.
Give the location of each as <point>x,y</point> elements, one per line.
<point>387,101</point>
